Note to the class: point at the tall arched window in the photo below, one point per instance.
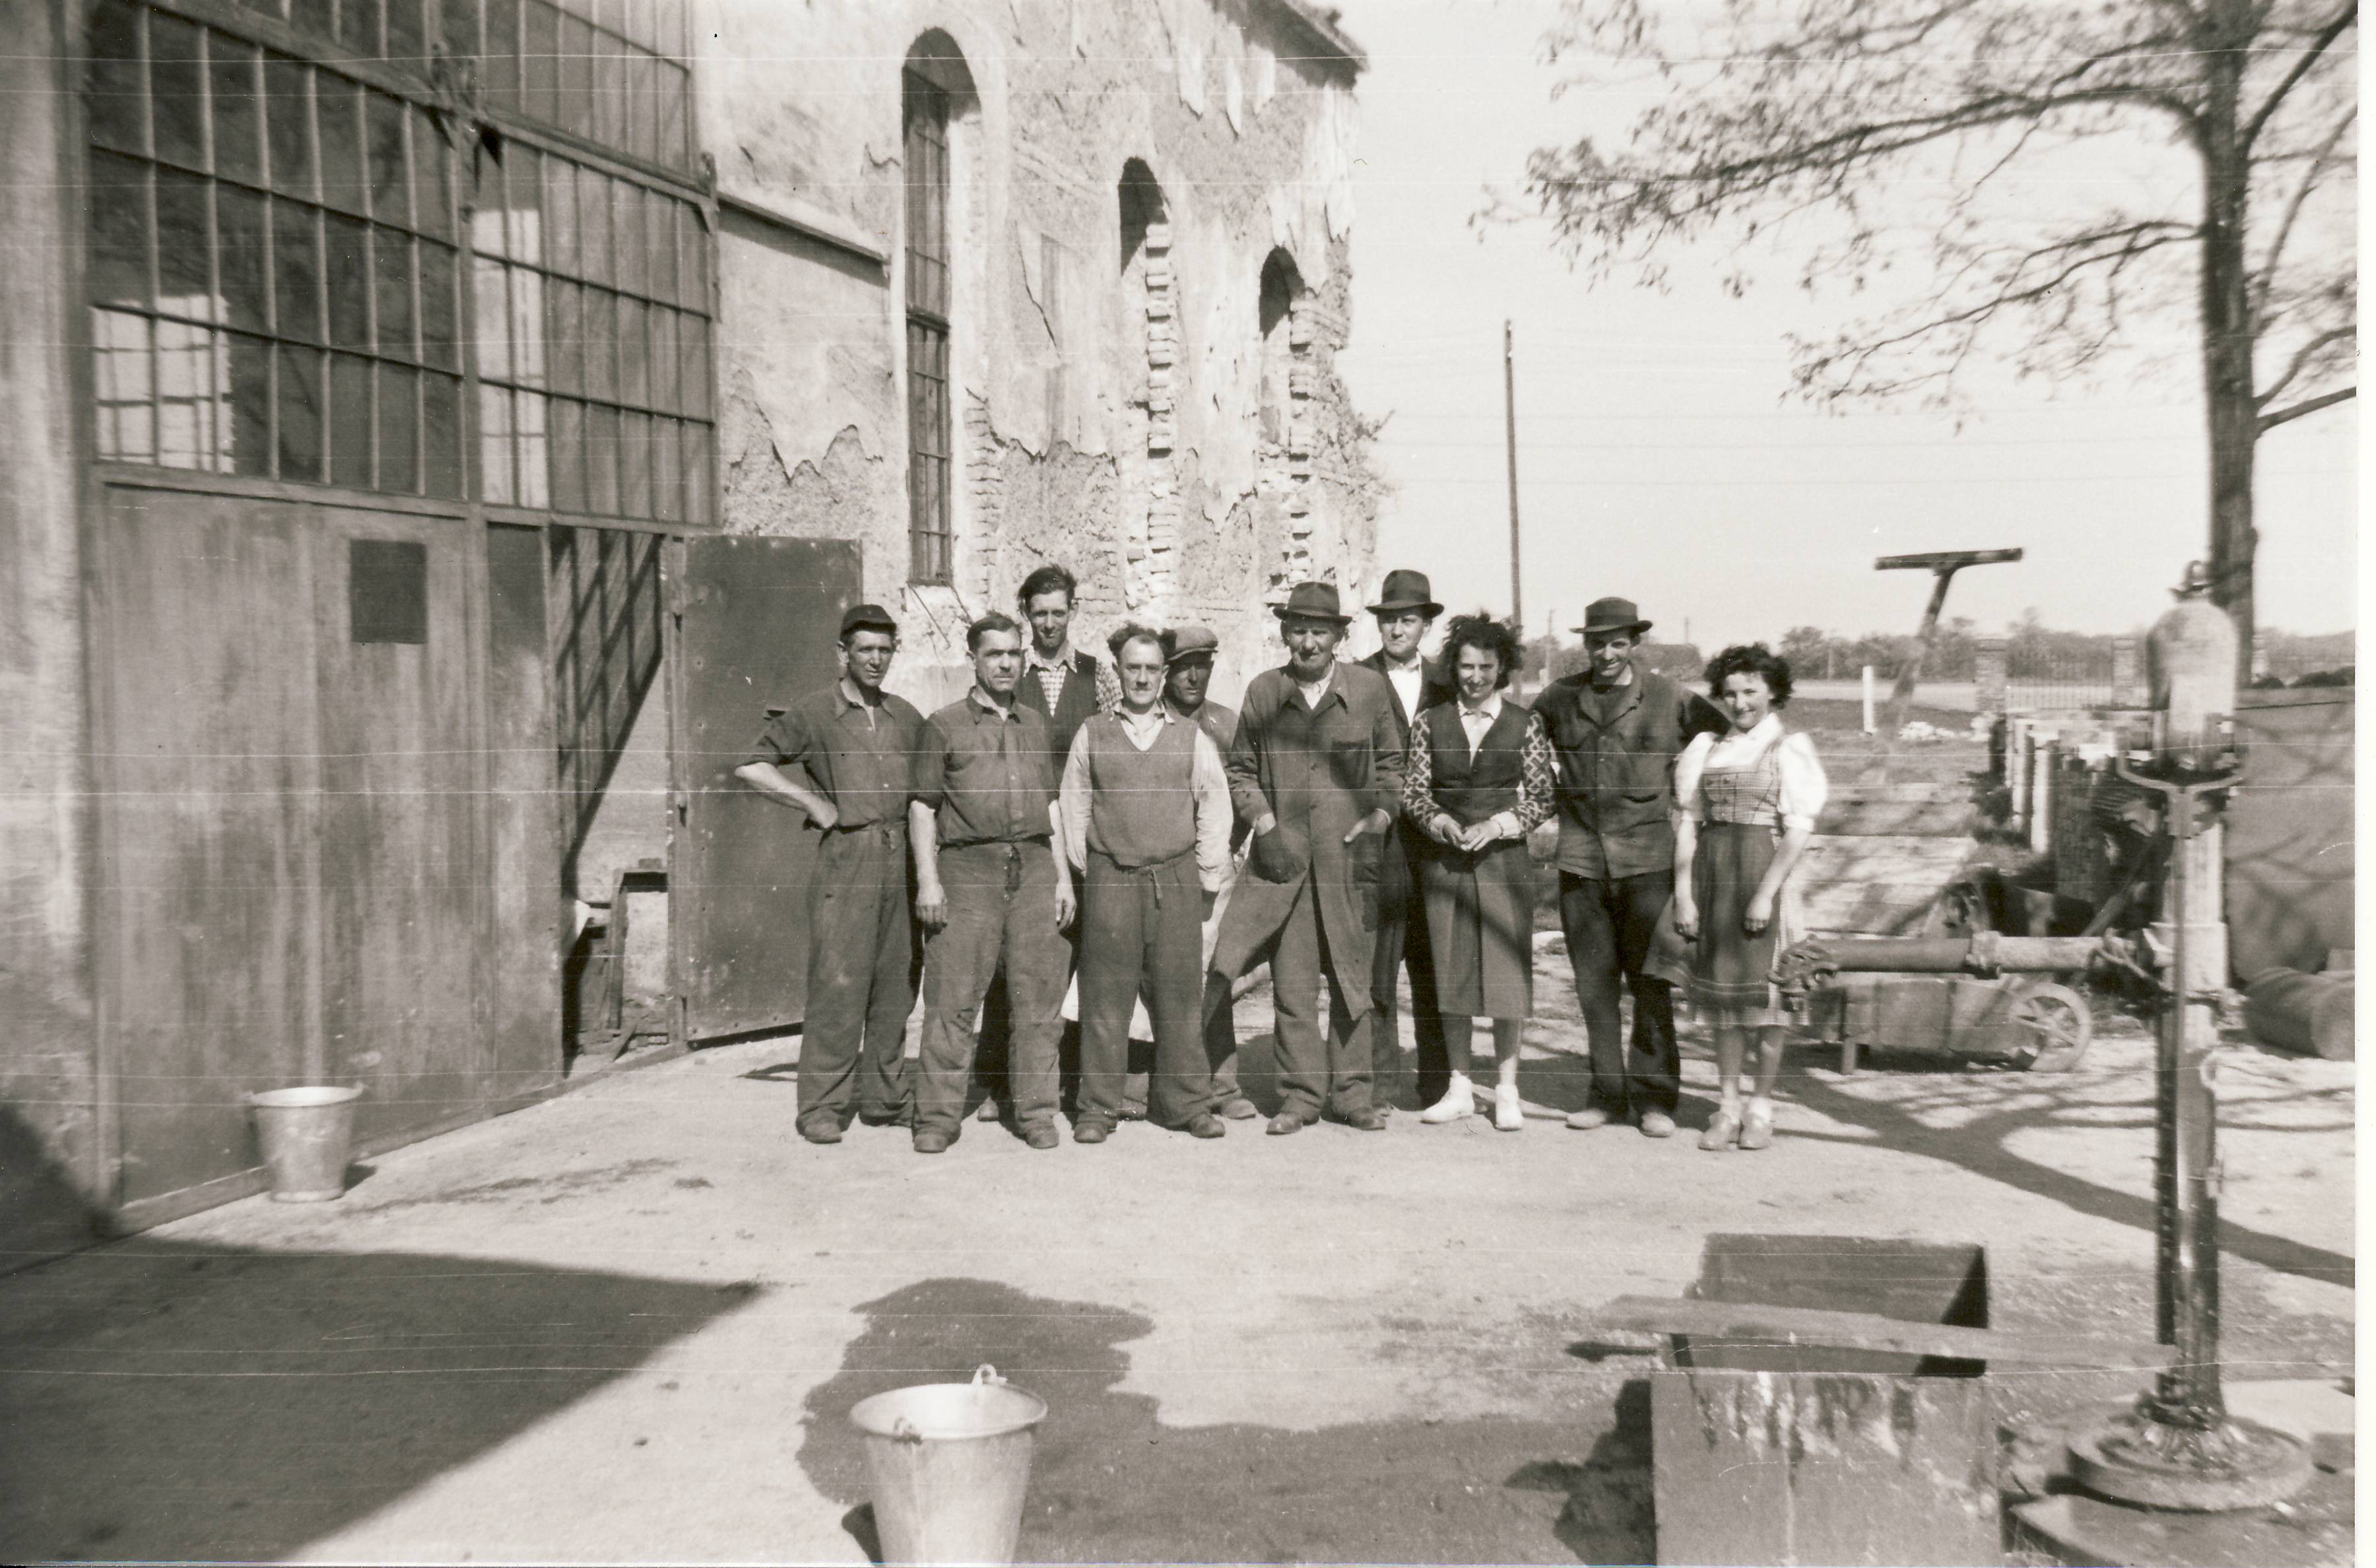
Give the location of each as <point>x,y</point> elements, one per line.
<point>935,87</point>
<point>1280,285</point>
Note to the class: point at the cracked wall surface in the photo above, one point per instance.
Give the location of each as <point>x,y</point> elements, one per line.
<point>1107,403</point>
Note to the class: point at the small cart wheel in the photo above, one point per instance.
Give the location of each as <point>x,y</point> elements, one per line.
<point>2058,1023</point>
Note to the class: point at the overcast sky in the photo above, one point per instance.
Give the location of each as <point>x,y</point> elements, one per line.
<point>1658,457</point>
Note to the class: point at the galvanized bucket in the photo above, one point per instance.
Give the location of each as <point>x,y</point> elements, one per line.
<point>305,1133</point>
<point>949,1462</point>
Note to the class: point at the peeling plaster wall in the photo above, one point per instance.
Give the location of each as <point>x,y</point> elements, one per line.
<point>1106,420</point>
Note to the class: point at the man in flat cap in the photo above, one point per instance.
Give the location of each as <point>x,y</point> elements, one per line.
<point>1188,655</point>
<point>1405,609</point>
<point>857,744</point>
<point>1616,731</point>
<point>1316,773</point>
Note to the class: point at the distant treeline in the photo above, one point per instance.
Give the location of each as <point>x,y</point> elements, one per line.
<point>2033,650</point>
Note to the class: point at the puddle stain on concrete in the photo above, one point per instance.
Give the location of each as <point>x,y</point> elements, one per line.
<point>1110,1484</point>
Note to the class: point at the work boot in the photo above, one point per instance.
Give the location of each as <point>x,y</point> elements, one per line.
<point>1091,1132</point>
<point>1238,1110</point>
<point>1591,1116</point>
<point>1204,1124</point>
<point>932,1143</point>
<point>1041,1137</point>
<point>1658,1125</point>
<point>989,1112</point>
<point>1287,1121</point>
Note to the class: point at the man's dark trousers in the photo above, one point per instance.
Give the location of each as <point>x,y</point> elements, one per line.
<point>1002,912</point>
<point>1403,940</point>
<point>864,956</point>
<point>1312,1069</point>
<point>1611,924</point>
<point>1143,927</point>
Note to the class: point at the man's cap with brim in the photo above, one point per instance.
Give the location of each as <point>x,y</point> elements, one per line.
<point>1312,601</point>
<point>1407,590</point>
<point>1606,615</point>
<point>1189,642</point>
<point>868,618</point>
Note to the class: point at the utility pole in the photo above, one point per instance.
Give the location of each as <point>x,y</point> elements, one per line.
<point>1510,433</point>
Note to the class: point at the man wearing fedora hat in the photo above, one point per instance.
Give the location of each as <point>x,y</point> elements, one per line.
<point>1616,731</point>
<point>1405,609</point>
<point>1316,773</point>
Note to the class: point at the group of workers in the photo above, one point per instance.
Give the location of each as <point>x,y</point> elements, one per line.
<point>1107,832</point>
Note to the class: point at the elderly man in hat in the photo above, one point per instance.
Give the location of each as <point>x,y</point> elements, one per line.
<point>1616,729</point>
<point>1405,609</point>
<point>857,745</point>
<point>1188,654</point>
<point>1317,772</point>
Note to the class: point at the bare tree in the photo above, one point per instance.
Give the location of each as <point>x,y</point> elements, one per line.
<point>1825,116</point>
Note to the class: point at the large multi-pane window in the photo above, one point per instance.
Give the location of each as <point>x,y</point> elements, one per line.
<point>591,303</point>
<point>611,72</point>
<point>273,271</point>
<point>277,287</point>
<point>925,112</point>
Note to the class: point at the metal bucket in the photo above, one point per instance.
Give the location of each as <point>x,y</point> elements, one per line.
<point>948,1463</point>
<point>305,1133</point>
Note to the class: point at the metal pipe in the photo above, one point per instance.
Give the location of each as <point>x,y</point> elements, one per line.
<point>1983,953</point>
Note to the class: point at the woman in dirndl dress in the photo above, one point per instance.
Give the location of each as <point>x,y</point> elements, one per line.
<point>1746,804</point>
<point>1478,779</point>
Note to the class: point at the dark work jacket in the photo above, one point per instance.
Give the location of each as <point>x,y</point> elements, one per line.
<point>1615,778</point>
<point>1075,700</point>
<point>1399,883</point>
<point>1318,772</point>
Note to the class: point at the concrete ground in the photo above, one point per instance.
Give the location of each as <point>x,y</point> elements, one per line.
<point>627,1324</point>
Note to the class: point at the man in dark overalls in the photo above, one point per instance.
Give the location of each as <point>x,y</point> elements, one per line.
<point>1064,686</point>
<point>1616,729</point>
<point>990,889</point>
<point>858,745</point>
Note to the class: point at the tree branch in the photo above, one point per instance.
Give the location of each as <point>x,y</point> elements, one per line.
<point>2303,357</point>
<point>2266,282</point>
<point>2326,36</point>
<point>2307,406</point>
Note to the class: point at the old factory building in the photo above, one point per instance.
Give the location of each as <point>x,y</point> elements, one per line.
<point>436,431</point>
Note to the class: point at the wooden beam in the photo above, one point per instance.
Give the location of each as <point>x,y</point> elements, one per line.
<point>1864,1331</point>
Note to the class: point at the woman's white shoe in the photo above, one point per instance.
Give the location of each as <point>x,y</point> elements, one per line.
<point>1460,1100</point>
<point>1509,1116</point>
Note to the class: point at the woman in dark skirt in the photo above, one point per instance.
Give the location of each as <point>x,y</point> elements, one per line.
<point>1746,804</point>
<point>1477,781</point>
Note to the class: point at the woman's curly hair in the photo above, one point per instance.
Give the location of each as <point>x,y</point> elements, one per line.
<point>1481,630</point>
<point>1751,659</point>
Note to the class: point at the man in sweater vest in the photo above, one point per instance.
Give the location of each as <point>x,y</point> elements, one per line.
<point>1064,686</point>
<point>1405,609</point>
<point>1316,773</point>
<point>990,890</point>
<point>1616,731</point>
<point>1188,653</point>
<point>1145,813</point>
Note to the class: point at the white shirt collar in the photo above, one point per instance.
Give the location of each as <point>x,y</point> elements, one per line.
<point>1758,734</point>
<point>1488,710</point>
<point>1415,663</point>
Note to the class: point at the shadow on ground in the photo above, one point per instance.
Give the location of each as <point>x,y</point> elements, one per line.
<point>168,1401</point>
<point>1978,1146</point>
<point>1110,1484</point>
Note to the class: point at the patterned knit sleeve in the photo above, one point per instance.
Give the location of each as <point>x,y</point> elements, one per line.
<point>1108,685</point>
<point>1418,780</point>
<point>1537,775</point>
